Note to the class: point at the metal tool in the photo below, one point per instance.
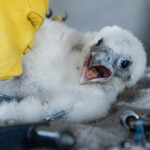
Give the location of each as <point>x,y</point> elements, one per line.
<point>130,120</point>
<point>7,98</point>
<point>139,129</point>
<point>37,135</point>
<point>43,136</point>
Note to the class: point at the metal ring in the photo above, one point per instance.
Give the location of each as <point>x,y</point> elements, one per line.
<point>128,114</point>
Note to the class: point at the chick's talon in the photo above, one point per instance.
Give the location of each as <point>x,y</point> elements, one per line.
<point>49,13</point>
<point>60,18</point>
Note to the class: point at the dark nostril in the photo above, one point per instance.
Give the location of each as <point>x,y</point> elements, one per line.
<point>99,42</point>
<point>108,58</point>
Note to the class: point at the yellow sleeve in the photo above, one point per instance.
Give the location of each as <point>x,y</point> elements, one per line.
<point>37,12</point>
<point>19,20</point>
<point>10,64</point>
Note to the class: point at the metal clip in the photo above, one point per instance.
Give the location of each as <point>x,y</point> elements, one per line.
<point>57,115</point>
<point>127,117</point>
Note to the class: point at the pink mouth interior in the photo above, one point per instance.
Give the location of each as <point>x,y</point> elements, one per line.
<point>97,73</point>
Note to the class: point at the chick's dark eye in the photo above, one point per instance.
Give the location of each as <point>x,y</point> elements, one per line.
<point>125,64</point>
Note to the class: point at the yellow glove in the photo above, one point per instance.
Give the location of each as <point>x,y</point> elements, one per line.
<point>19,20</point>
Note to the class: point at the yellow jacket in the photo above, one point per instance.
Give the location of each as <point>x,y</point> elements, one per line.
<point>19,20</point>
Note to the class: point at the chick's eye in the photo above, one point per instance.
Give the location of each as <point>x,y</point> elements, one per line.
<point>125,64</point>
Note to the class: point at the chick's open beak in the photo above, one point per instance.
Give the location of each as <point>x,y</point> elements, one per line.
<point>94,73</point>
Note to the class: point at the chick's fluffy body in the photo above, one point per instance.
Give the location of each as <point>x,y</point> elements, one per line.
<point>52,70</point>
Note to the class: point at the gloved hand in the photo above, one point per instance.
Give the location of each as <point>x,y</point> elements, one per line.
<point>19,20</point>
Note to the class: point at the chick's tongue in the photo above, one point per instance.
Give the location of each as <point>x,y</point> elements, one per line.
<point>92,73</point>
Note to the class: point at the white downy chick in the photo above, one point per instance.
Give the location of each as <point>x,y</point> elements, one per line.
<point>78,73</point>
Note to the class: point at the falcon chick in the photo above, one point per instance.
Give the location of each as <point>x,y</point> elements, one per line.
<point>81,74</point>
